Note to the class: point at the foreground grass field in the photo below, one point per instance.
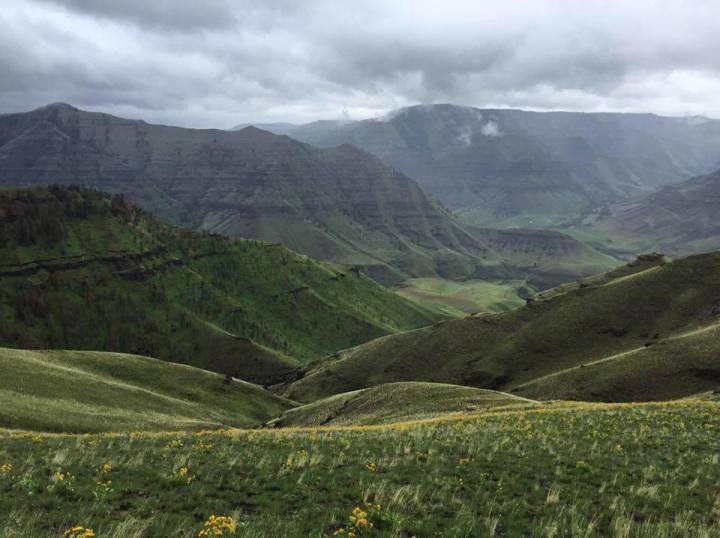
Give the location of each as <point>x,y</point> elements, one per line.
<point>577,470</point>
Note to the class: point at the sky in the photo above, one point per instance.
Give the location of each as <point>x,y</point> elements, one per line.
<point>218,63</point>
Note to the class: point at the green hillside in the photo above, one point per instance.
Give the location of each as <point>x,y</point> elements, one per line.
<point>673,367</point>
<point>81,270</point>
<point>88,391</point>
<point>581,470</point>
<point>642,332</point>
<point>396,402</point>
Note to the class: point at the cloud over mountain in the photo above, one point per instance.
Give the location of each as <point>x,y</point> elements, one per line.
<point>221,62</point>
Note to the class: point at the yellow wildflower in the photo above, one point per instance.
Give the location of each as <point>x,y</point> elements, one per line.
<point>217,526</point>
<point>359,518</point>
<point>78,531</point>
<point>184,474</point>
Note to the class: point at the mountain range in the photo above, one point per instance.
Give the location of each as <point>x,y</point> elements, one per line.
<point>338,204</point>
<point>500,167</point>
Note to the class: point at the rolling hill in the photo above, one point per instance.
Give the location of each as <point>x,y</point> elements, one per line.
<point>643,332</point>
<point>88,391</point>
<point>82,270</point>
<point>397,402</point>
<point>499,168</point>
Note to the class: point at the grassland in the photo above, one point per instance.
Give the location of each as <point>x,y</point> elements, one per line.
<point>651,314</point>
<point>457,299</point>
<point>397,402</point>
<point>581,470</point>
<point>76,391</point>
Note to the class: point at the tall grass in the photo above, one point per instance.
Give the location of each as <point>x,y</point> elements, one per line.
<point>571,470</point>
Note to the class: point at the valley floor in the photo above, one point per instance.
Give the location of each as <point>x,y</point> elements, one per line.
<point>457,299</point>
<point>565,469</point>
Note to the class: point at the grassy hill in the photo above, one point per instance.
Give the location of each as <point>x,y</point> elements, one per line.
<point>581,470</point>
<point>89,391</point>
<point>680,365</point>
<point>645,331</point>
<point>396,402</point>
<point>81,270</point>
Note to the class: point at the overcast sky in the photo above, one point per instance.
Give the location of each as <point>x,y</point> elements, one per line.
<point>221,62</point>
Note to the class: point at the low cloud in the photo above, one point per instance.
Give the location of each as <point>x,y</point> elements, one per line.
<point>223,62</point>
<point>491,128</point>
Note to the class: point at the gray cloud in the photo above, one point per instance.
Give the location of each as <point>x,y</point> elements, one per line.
<point>165,14</point>
<point>222,62</point>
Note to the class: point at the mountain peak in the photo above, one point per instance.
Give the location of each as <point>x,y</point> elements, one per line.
<point>427,109</point>
<point>58,106</point>
<point>250,129</point>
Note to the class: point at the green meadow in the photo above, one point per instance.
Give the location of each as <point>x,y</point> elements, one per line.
<point>580,470</point>
<point>457,299</point>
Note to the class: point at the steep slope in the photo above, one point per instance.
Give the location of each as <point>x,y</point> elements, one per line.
<point>339,204</point>
<point>678,219</point>
<point>81,270</point>
<point>397,402</point>
<point>513,167</point>
<point>649,310</point>
<point>88,391</point>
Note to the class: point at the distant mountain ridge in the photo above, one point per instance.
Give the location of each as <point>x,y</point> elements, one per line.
<point>339,204</point>
<point>498,167</point>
